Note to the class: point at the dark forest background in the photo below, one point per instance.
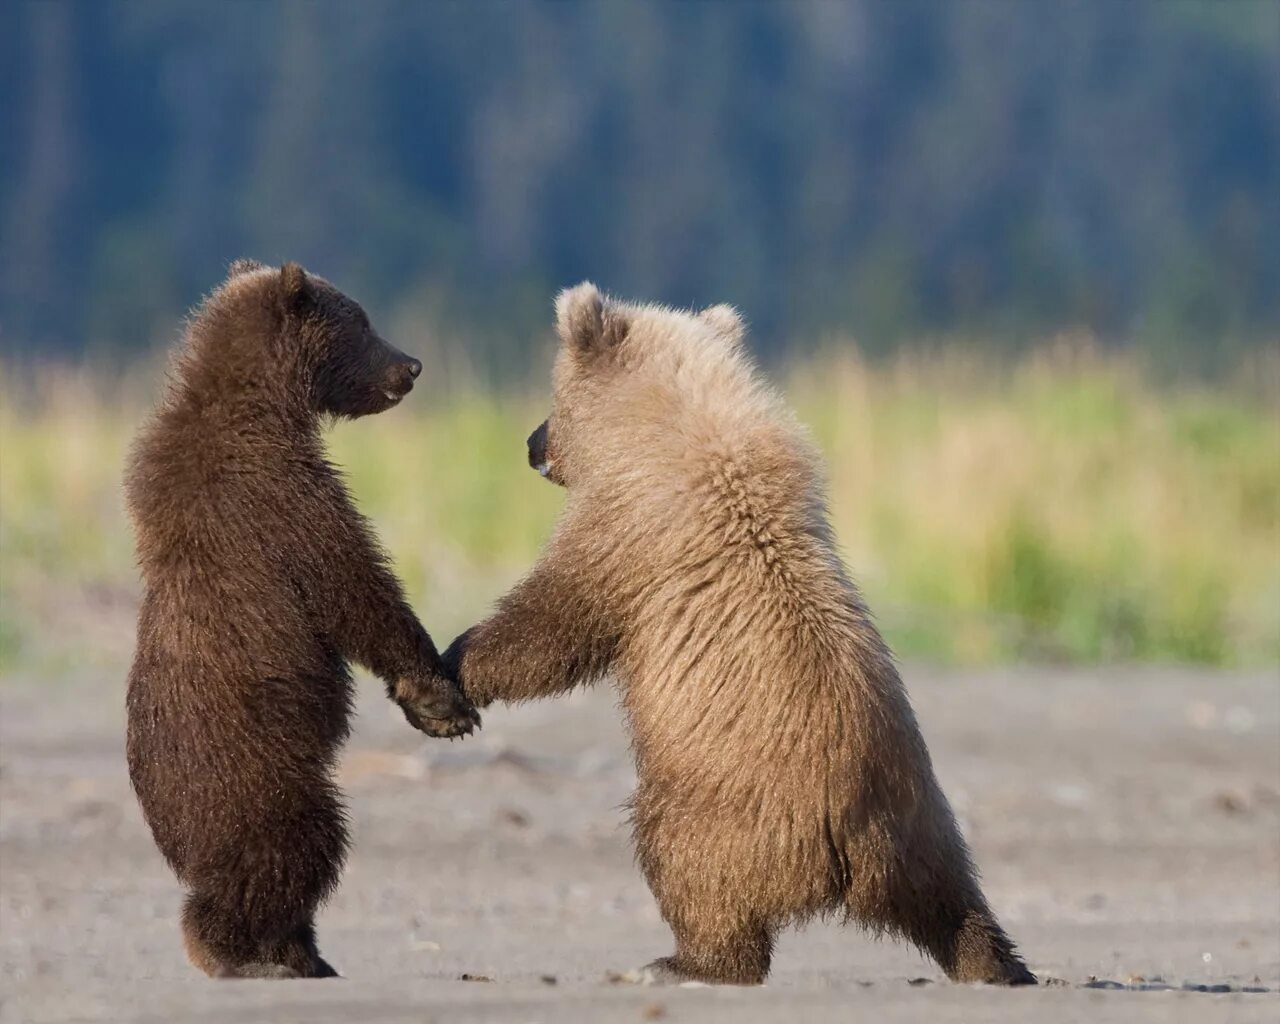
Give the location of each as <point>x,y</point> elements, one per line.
<point>881,170</point>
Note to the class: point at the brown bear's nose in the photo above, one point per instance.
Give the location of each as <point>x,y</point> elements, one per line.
<point>414,367</point>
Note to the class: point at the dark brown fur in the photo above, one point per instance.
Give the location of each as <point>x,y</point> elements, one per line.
<point>781,771</point>
<point>261,582</point>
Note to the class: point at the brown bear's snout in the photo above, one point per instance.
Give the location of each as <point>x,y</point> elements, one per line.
<point>407,371</point>
<point>404,370</point>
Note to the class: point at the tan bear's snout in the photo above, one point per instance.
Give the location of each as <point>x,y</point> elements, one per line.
<point>538,449</point>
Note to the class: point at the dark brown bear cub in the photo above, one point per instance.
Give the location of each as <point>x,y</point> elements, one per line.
<point>261,581</point>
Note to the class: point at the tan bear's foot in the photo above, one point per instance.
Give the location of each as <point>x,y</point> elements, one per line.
<point>1009,972</point>
<point>662,971</point>
<point>436,707</point>
<point>984,954</point>
<point>669,970</point>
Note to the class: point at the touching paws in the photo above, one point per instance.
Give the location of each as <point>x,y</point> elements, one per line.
<point>437,708</point>
<point>452,660</point>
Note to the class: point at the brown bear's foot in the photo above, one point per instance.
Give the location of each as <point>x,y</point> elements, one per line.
<point>274,972</point>
<point>436,706</point>
<point>220,953</point>
<point>325,970</point>
<point>309,966</point>
<point>314,967</point>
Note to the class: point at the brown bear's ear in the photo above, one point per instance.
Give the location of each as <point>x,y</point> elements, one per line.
<point>584,322</point>
<point>242,266</point>
<point>295,289</point>
<point>726,322</point>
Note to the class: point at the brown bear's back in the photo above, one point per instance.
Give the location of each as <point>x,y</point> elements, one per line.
<point>232,683</point>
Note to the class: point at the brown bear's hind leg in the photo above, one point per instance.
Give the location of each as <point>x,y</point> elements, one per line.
<point>251,909</point>
<point>204,948</point>
<point>215,941</point>
<point>300,951</point>
<point>216,944</point>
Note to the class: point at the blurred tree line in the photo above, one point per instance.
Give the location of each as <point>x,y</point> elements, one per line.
<point>888,168</point>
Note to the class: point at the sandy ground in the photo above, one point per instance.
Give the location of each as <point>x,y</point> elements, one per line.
<point>1127,824</point>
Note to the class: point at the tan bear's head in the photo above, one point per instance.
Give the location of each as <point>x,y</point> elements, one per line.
<point>631,379</point>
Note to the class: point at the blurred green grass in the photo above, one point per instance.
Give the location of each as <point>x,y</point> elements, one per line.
<point>1067,506</point>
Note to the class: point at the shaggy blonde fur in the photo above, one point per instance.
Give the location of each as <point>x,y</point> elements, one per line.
<point>782,774</point>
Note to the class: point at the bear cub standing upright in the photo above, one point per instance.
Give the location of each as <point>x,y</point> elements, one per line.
<point>260,581</point>
<point>781,771</point>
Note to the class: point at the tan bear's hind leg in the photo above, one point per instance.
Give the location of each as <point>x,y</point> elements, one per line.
<point>925,890</point>
<point>712,948</point>
<point>980,951</point>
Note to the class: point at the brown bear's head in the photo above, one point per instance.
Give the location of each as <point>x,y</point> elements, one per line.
<point>323,344</point>
<point>631,381</point>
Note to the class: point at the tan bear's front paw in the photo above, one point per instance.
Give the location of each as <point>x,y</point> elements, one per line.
<point>452,660</point>
<point>438,709</point>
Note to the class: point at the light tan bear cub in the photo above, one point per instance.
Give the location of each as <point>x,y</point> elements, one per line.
<point>781,770</point>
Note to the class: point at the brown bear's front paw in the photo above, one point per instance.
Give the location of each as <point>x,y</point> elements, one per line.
<point>438,710</point>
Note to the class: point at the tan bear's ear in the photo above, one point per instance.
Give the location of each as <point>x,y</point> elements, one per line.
<point>295,289</point>
<point>584,322</point>
<point>242,266</point>
<point>725,321</point>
